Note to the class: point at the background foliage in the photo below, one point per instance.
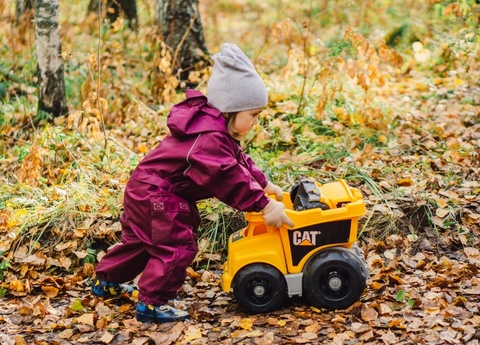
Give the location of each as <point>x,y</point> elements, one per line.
<point>381,93</point>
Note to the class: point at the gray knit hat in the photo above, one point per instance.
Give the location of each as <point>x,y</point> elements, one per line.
<point>235,84</point>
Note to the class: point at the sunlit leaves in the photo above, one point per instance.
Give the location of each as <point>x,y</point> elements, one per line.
<point>399,121</point>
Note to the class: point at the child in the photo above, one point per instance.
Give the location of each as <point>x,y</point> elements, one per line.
<point>201,158</point>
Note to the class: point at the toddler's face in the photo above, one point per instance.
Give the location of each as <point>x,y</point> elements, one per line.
<point>245,120</point>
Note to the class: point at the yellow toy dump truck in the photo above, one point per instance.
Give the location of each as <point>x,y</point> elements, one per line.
<point>316,258</point>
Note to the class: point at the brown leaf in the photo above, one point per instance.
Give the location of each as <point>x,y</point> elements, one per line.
<point>366,336</point>
<point>50,291</point>
<point>405,182</point>
<point>192,333</point>
<point>37,259</point>
<point>394,279</point>
<point>384,309</point>
<point>86,319</point>
<point>368,314</point>
<point>192,274</point>
<point>66,334</point>
<point>107,337</point>
<point>19,340</point>
<point>313,328</point>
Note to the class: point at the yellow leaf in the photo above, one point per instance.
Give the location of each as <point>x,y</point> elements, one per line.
<point>246,324</point>
<point>382,139</point>
<point>432,310</point>
<point>397,324</point>
<point>313,328</point>
<point>125,307</point>
<point>442,203</point>
<point>50,291</point>
<point>405,182</point>
<point>19,340</point>
<point>102,322</point>
<point>16,286</point>
<point>192,274</point>
<point>142,148</point>
<point>394,279</point>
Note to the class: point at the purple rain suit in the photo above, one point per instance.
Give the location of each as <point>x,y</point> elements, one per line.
<point>198,160</point>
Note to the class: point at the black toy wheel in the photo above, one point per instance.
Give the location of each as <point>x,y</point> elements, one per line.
<point>333,279</point>
<point>259,288</point>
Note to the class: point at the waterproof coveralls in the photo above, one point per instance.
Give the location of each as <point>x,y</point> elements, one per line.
<point>198,160</point>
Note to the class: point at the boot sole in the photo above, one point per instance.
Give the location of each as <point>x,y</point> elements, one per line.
<point>147,318</point>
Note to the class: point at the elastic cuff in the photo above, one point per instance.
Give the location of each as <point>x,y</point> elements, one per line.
<point>261,204</point>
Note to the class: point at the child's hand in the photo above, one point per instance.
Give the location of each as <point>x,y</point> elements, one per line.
<point>273,214</point>
<point>274,189</point>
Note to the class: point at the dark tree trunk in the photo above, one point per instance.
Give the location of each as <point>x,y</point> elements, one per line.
<point>51,83</point>
<point>24,11</point>
<point>94,6</point>
<point>181,28</point>
<point>125,8</point>
<point>115,9</point>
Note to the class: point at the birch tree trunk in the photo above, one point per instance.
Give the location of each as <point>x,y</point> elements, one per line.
<point>51,83</point>
<point>181,28</point>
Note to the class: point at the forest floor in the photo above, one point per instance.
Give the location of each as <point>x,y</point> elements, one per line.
<point>424,284</point>
<point>414,149</point>
<point>422,292</point>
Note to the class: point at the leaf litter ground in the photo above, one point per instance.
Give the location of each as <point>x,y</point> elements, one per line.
<point>424,285</point>
<point>422,292</point>
<point>420,237</point>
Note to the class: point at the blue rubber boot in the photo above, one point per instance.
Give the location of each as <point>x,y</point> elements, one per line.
<point>160,314</point>
<point>102,288</point>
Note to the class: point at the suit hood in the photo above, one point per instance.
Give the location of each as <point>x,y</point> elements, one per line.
<point>195,115</point>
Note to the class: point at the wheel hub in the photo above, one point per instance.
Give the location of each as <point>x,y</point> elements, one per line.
<point>335,283</point>
<point>259,290</point>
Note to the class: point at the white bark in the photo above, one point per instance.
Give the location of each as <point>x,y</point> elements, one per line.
<point>47,35</point>
<point>51,85</point>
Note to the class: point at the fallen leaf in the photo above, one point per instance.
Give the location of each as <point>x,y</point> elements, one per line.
<point>50,291</point>
<point>66,334</point>
<point>245,324</point>
<point>442,212</point>
<point>107,337</point>
<point>86,319</point>
<point>368,314</point>
<point>405,182</point>
<point>193,333</point>
<point>16,286</point>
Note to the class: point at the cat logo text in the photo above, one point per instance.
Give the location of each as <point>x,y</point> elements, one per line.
<point>305,238</point>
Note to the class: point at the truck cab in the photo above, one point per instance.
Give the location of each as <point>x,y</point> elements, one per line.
<point>317,257</point>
